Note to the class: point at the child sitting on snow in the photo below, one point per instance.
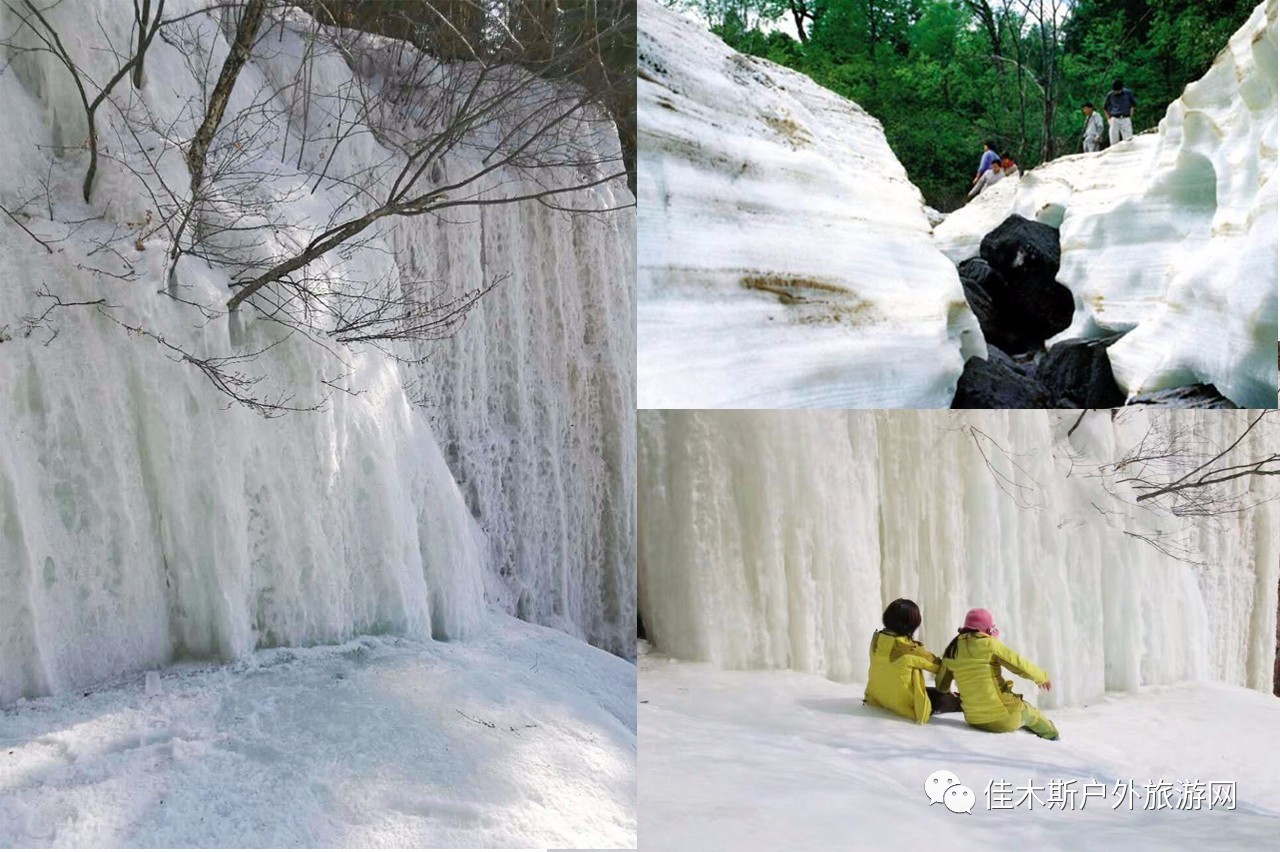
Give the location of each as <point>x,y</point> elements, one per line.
<point>974,658</point>
<point>898,663</point>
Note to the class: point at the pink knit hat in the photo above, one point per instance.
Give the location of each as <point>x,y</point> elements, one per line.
<point>980,619</point>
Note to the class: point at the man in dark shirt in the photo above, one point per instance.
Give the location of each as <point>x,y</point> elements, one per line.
<point>1119,109</point>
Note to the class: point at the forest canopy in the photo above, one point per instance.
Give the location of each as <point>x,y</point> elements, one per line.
<point>943,76</point>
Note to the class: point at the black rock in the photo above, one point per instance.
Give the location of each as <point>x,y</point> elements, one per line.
<point>1001,318</point>
<point>1078,373</point>
<point>1019,248</point>
<point>974,276</point>
<point>1192,396</point>
<point>1017,269</point>
<point>998,382</point>
<point>1039,311</point>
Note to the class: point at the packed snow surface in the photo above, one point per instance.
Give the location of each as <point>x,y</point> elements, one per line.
<point>523,737</point>
<point>785,258</point>
<point>144,518</point>
<point>1171,234</point>
<point>745,761</point>
<point>775,540</point>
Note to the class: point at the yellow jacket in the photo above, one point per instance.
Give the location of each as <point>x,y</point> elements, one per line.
<point>989,700</point>
<point>896,678</point>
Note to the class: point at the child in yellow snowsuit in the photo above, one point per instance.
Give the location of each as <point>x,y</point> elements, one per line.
<point>898,663</point>
<point>974,659</point>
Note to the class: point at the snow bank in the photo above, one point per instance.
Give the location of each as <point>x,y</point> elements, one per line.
<point>523,738</point>
<point>1172,234</point>
<point>142,520</point>
<point>775,539</point>
<point>784,255</point>
<point>779,760</point>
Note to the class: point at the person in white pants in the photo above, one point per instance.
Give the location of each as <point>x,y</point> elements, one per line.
<point>1119,109</point>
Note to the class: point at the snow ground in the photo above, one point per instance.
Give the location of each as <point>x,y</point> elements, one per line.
<point>781,760</point>
<point>521,737</point>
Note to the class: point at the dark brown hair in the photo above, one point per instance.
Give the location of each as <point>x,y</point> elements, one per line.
<point>902,617</point>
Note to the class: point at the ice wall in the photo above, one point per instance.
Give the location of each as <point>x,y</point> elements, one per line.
<point>785,258</point>
<point>141,521</point>
<point>533,398</point>
<point>775,539</point>
<point>1172,234</point>
<point>143,518</point>
<point>534,405</point>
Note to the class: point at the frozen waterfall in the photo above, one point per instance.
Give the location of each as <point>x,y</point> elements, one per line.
<point>143,520</point>
<point>533,402</point>
<point>774,540</point>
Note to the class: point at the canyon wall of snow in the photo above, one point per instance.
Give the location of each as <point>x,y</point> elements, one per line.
<point>1172,234</point>
<point>144,518</point>
<point>785,258</point>
<point>775,539</point>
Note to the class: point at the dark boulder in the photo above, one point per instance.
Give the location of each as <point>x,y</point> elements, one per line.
<point>1077,373</point>
<point>975,277</point>
<point>998,382</point>
<point>1022,249</point>
<point>1016,270</point>
<point>1192,396</point>
<point>1002,315</point>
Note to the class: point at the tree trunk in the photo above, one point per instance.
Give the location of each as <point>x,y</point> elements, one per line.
<point>798,11</point>
<point>246,32</point>
<point>142,17</point>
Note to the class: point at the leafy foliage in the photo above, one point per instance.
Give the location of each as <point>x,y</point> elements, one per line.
<point>945,75</point>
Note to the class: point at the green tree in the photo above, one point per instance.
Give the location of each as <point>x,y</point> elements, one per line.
<point>945,75</point>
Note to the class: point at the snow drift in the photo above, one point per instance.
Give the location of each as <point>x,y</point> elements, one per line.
<point>1170,236</point>
<point>524,737</point>
<point>141,520</point>
<point>785,257</point>
<point>774,540</point>
<point>792,761</point>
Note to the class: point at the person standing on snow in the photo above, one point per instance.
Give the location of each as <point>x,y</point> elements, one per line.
<point>1092,129</point>
<point>895,680</point>
<point>1119,108</point>
<point>974,660</point>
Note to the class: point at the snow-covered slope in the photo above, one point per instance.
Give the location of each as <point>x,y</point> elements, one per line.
<point>142,519</point>
<point>525,737</point>
<point>745,761</point>
<point>775,539</point>
<point>1171,234</point>
<point>785,257</point>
